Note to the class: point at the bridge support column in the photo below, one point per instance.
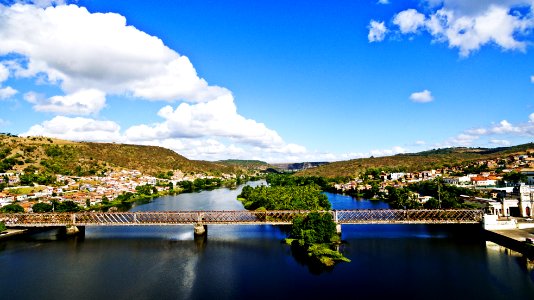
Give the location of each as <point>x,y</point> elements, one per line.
<point>201,230</point>
<point>75,230</point>
<point>338,229</point>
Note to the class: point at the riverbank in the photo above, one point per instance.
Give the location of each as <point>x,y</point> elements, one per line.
<point>12,232</point>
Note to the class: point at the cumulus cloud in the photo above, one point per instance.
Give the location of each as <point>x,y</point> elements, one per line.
<point>375,152</point>
<point>4,73</point>
<point>409,21</point>
<point>422,97</point>
<point>217,118</point>
<point>82,102</point>
<point>501,129</point>
<point>77,129</point>
<point>80,50</point>
<point>7,92</point>
<point>462,140</point>
<point>377,31</point>
<point>469,25</point>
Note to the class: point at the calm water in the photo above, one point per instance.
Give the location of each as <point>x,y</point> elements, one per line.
<point>249,262</point>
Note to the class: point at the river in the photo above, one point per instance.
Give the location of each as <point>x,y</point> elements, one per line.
<point>250,262</point>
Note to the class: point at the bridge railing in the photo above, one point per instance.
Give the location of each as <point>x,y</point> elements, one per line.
<point>368,216</point>
<point>426,216</point>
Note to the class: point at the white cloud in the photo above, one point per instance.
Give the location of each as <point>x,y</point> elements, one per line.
<point>409,21</point>
<point>461,140</point>
<point>377,31</point>
<point>469,25</point>
<point>77,129</point>
<point>422,97</point>
<point>382,2</point>
<point>81,50</point>
<point>532,78</point>
<point>82,102</point>
<point>375,152</point>
<point>500,142</point>
<point>4,73</point>
<point>217,118</point>
<point>502,129</point>
<point>7,92</point>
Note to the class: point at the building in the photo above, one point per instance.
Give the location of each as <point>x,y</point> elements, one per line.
<point>515,202</point>
<point>530,175</point>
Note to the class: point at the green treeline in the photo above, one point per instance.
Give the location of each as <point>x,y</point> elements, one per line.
<point>290,197</point>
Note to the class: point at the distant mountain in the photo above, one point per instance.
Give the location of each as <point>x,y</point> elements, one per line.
<point>82,158</point>
<point>297,166</point>
<point>426,160</point>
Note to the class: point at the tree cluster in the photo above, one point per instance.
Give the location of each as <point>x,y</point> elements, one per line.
<point>291,197</point>
<point>12,208</point>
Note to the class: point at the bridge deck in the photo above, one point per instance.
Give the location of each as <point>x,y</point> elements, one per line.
<point>162,218</point>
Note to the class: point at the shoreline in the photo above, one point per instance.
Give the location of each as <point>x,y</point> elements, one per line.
<point>12,232</point>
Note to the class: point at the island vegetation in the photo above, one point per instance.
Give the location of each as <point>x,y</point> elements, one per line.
<point>313,233</point>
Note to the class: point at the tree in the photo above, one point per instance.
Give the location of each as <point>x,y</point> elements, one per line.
<point>314,228</point>
<point>432,203</point>
<point>515,177</point>
<point>12,208</point>
<point>67,206</point>
<point>2,227</point>
<point>42,207</point>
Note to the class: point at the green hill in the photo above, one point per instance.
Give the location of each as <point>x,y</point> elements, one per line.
<point>82,158</point>
<point>247,164</point>
<point>432,159</point>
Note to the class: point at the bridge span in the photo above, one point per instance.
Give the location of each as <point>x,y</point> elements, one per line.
<point>240,217</point>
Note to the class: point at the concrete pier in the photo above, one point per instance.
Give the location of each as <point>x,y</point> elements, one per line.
<point>201,229</point>
<point>513,239</point>
<point>75,230</point>
<point>338,229</point>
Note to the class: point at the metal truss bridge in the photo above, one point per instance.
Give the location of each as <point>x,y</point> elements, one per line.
<point>280,217</point>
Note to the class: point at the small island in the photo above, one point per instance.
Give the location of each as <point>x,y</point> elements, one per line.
<point>313,233</point>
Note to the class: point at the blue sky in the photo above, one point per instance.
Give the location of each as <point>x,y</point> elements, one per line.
<point>272,80</point>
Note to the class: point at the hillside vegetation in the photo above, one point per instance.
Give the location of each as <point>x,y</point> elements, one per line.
<point>247,164</point>
<point>82,158</point>
<point>432,159</point>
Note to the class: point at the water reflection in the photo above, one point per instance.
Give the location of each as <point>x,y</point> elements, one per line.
<point>247,261</point>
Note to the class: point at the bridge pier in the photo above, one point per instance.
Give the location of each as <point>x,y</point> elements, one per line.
<point>338,229</point>
<point>201,230</point>
<point>74,230</point>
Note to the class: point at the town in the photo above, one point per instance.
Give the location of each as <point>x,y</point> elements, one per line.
<point>507,183</point>
<point>91,191</point>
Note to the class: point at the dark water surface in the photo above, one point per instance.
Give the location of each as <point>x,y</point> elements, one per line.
<point>250,262</point>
